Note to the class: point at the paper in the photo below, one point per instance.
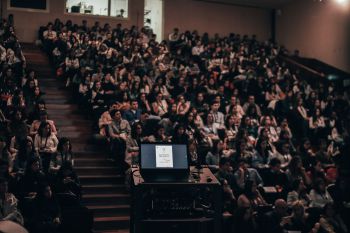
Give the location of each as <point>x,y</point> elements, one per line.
<point>164,157</point>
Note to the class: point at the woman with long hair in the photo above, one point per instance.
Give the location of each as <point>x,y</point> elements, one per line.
<point>64,153</point>
<point>45,143</point>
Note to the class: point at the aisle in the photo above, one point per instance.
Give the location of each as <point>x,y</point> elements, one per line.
<point>103,189</point>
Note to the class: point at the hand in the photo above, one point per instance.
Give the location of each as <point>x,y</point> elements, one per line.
<point>57,220</point>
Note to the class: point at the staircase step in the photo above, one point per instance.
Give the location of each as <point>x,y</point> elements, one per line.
<point>107,188</point>
<point>96,170</point>
<point>106,199</point>
<point>103,188</point>
<point>61,106</point>
<point>110,210</point>
<point>79,162</point>
<point>112,231</point>
<point>111,223</point>
<point>101,179</point>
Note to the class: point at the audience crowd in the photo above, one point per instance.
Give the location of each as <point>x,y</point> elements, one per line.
<point>35,164</point>
<point>276,140</point>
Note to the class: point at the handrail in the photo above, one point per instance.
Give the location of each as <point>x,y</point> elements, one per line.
<point>302,66</point>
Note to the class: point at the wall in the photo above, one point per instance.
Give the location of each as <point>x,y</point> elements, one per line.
<point>28,23</point>
<point>216,18</point>
<point>318,29</point>
<point>184,14</point>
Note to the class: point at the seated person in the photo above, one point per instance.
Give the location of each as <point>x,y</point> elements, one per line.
<point>251,197</point>
<point>159,135</point>
<point>36,124</point>
<point>118,130</point>
<point>225,176</point>
<point>33,179</point>
<point>331,221</point>
<point>298,193</point>
<point>299,220</point>
<point>213,156</point>
<point>67,181</point>
<point>244,174</point>
<point>64,154</point>
<point>134,113</point>
<point>47,211</point>
<point>244,221</point>
<point>273,218</point>
<point>319,195</point>
<point>8,208</point>
<point>274,176</point>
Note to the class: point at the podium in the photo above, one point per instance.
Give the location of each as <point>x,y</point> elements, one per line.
<point>193,205</point>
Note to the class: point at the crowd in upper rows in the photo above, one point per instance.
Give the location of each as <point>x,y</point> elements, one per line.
<point>239,108</point>
<point>34,162</point>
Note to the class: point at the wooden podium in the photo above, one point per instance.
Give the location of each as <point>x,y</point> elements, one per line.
<point>149,212</point>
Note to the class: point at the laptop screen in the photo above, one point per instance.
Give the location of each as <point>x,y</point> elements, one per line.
<point>164,156</point>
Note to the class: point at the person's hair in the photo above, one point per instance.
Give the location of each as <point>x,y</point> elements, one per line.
<point>317,184</point>
<point>3,180</point>
<point>274,162</point>
<point>295,184</point>
<point>63,141</point>
<point>247,191</point>
<point>298,204</point>
<point>134,129</point>
<point>292,166</point>
<point>223,161</point>
<point>326,206</point>
<point>114,111</point>
<point>30,162</point>
<point>42,127</point>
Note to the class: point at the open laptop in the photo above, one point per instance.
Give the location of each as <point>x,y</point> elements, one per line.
<point>164,162</point>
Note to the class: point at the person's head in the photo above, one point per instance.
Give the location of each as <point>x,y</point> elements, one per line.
<point>317,165</point>
<point>266,121</point>
<point>285,148</point>
<point>2,143</point>
<point>134,105</point>
<point>64,145</point>
<point>251,99</point>
<point>200,97</point>
<point>225,164</point>
<point>215,106</point>
<point>159,96</point>
<point>160,130</point>
<point>243,163</point>
<point>275,165</point>
<point>295,164</point>
<point>18,115</point>
<point>45,192</point>
<point>298,185</point>
<point>250,188</point>
<point>210,118</point>
<point>116,115</point>
<point>320,185</point>
<point>44,129</point>
<point>306,144</point>
<point>37,91</point>
<point>43,116</point>
<point>180,130</point>
<point>33,165</point>
<point>281,207</point>
<point>136,130</point>
<point>3,186</point>
<point>298,210</point>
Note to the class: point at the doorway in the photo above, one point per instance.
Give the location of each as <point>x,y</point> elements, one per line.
<point>154,17</point>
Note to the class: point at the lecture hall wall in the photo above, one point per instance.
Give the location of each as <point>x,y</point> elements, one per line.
<point>184,14</point>
<point>317,29</point>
